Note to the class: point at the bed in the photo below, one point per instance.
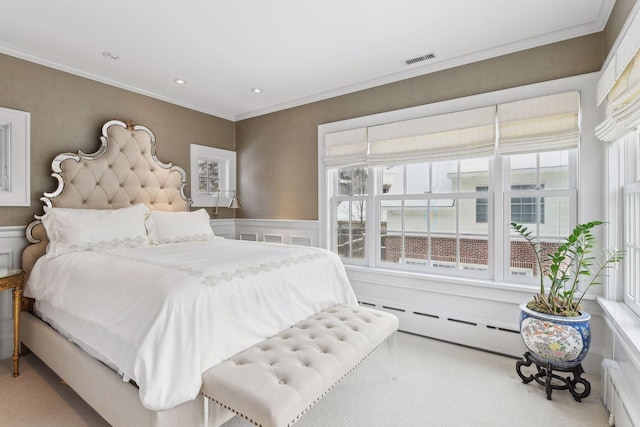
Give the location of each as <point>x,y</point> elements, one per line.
<point>130,297</point>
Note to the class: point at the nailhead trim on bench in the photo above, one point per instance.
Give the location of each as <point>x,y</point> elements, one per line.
<point>333,318</point>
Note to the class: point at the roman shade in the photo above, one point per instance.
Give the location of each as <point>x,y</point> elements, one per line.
<point>623,104</point>
<point>346,148</point>
<point>547,123</point>
<point>462,134</point>
<point>619,85</point>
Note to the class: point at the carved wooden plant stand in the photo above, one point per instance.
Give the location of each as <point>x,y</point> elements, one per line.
<point>551,381</point>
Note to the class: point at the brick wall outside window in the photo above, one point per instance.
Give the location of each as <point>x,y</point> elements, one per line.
<point>472,251</point>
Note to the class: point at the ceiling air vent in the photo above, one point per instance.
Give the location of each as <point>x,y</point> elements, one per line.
<point>419,59</point>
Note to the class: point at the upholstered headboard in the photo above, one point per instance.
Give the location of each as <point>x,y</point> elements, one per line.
<point>123,172</point>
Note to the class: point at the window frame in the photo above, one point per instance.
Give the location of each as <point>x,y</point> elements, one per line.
<point>350,198</point>
<point>456,194</point>
<point>499,206</point>
<point>629,171</point>
<point>500,232</point>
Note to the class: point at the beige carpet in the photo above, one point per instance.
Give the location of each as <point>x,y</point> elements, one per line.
<point>38,398</point>
<point>439,384</point>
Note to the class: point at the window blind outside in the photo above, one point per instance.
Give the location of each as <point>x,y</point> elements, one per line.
<point>623,104</point>
<point>548,123</point>
<point>346,148</point>
<point>462,134</point>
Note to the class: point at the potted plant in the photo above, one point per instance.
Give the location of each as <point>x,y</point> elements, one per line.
<point>553,325</point>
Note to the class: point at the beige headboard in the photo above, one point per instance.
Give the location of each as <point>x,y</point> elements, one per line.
<point>123,172</point>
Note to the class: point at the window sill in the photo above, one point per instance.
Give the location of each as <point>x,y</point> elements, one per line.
<point>625,322</point>
<point>461,286</point>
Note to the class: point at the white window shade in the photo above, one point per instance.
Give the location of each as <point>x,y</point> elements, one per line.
<point>462,134</point>
<point>547,123</point>
<point>346,148</point>
<point>623,104</point>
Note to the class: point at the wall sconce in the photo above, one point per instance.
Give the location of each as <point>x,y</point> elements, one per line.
<point>233,204</point>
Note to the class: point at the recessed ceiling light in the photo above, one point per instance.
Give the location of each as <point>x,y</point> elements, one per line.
<point>110,55</point>
<point>256,90</point>
<point>180,81</point>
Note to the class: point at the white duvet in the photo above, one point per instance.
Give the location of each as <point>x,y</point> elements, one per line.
<point>162,315</point>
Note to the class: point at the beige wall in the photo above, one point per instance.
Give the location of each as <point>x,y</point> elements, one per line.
<point>277,153</point>
<point>67,114</point>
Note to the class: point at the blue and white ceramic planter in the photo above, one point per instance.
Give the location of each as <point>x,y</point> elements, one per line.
<point>561,341</point>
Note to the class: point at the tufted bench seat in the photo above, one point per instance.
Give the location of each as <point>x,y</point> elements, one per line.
<point>273,383</point>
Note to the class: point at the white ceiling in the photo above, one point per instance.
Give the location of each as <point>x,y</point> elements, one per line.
<point>296,51</point>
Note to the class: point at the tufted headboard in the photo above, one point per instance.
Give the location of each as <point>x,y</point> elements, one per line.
<point>123,172</point>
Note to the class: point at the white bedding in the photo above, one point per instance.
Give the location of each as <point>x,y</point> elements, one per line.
<point>162,315</point>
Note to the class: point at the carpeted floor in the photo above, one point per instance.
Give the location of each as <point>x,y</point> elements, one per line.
<point>439,384</point>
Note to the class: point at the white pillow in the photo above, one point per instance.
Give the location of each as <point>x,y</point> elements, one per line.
<point>172,227</point>
<point>73,230</point>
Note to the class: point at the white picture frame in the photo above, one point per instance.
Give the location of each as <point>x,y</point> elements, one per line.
<point>15,150</point>
<point>227,175</point>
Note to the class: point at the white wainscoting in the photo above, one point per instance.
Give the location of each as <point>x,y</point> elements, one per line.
<point>224,227</point>
<point>12,242</point>
<point>303,233</point>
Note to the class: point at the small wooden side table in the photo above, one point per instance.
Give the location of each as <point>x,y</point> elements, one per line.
<point>13,279</point>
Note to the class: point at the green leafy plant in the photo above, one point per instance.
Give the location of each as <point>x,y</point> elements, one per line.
<point>572,261</point>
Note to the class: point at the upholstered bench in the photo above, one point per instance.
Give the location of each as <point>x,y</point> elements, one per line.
<point>273,383</point>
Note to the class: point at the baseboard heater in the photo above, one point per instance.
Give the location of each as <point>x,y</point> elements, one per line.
<point>472,331</point>
<point>618,396</point>
<point>464,322</point>
<point>394,308</point>
<point>433,316</point>
<point>495,328</point>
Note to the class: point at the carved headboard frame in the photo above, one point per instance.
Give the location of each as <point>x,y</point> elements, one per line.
<point>123,172</point>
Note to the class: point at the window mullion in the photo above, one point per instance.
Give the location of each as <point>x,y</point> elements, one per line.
<point>373,237</point>
<point>501,215</point>
<point>350,229</point>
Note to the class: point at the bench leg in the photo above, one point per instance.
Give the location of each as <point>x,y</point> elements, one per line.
<point>214,415</point>
<point>391,354</point>
<point>206,411</point>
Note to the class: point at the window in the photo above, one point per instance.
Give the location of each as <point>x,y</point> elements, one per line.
<point>482,206</point>
<point>434,194</point>
<point>545,204</point>
<point>524,210</point>
<point>213,175</point>
<point>14,158</point>
<point>433,217</point>
<point>618,86</point>
<point>425,213</point>
<point>350,210</point>
<point>629,156</point>
<point>208,177</point>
